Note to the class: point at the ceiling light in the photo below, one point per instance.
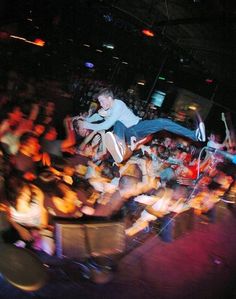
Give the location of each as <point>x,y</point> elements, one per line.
<point>192,107</point>
<point>148,32</point>
<point>37,42</point>
<point>141,83</point>
<point>89,65</point>
<point>108,46</point>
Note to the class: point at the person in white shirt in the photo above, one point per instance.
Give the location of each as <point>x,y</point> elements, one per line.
<point>27,216</point>
<point>129,128</point>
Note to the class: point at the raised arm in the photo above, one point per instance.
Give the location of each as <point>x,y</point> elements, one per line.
<point>110,120</point>
<point>70,135</point>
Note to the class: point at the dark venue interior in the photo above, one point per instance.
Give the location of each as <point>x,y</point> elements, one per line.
<point>117,149</point>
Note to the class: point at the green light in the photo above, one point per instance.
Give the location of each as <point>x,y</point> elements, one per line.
<point>161,78</point>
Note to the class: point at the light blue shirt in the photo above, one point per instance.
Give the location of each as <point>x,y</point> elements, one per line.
<point>118,112</point>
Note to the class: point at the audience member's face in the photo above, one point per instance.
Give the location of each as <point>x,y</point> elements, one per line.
<point>33,146</point>
<point>51,134</point>
<point>223,179</point>
<point>183,156</point>
<point>212,137</point>
<point>161,149</point>
<point>23,198</point>
<point>167,142</point>
<point>15,116</point>
<point>80,130</point>
<point>50,107</point>
<point>154,151</point>
<point>39,129</point>
<point>68,170</point>
<point>106,102</point>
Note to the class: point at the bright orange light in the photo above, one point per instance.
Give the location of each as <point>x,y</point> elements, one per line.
<point>148,32</point>
<point>39,42</point>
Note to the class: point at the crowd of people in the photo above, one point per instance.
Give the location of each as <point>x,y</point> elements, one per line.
<point>110,162</point>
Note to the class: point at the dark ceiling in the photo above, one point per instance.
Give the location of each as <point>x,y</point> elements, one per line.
<point>191,36</point>
<point>204,29</point>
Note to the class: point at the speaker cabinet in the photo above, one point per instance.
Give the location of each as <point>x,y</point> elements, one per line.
<point>174,226</point>
<point>70,241</point>
<point>81,241</point>
<point>105,238</point>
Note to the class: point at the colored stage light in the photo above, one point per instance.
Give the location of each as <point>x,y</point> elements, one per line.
<point>39,42</point>
<point>209,81</point>
<point>148,32</point>
<point>89,65</point>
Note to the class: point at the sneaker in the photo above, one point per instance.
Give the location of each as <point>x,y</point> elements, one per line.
<point>115,148</point>
<point>133,142</point>
<point>200,132</point>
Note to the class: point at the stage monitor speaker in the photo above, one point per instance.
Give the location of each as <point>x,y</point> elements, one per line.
<point>70,241</point>
<point>81,241</point>
<point>105,239</point>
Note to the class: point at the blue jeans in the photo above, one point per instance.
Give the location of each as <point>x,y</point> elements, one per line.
<point>147,127</point>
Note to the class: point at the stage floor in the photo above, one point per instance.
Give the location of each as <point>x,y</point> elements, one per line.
<point>199,264</point>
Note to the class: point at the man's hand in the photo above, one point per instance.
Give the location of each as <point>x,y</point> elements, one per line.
<point>102,112</point>
<point>96,140</point>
